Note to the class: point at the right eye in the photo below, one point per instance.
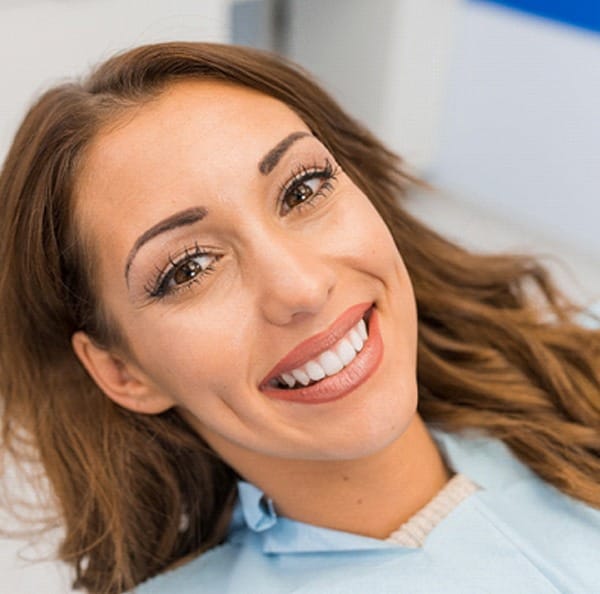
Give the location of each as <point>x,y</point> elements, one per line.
<point>181,272</point>
<point>189,269</point>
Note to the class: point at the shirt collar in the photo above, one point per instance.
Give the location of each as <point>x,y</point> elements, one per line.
<point>281,535</point>
<point>258,510</point>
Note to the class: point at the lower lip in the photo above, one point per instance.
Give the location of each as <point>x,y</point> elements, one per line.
<point>342,383</point>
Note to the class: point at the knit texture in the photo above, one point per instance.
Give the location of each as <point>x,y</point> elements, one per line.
<point>414,532</point>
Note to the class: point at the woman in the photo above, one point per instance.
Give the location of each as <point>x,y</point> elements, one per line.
<point>221,328</point>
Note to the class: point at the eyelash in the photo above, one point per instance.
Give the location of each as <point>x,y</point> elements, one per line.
<point>159,287</point>
<point>327,173</point>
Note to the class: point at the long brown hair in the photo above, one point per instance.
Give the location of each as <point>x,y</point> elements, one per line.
<point>499,347</point>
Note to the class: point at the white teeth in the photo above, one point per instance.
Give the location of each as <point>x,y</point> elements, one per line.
<point>362,329</point>
<point>330,362</point>
<point>356,340</point>
<point>288,379</point>
<point>345,351</point>
<point>301,376</point>
<point>314,370</point>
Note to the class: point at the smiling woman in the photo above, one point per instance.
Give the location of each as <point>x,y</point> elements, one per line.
<point>220,327</point>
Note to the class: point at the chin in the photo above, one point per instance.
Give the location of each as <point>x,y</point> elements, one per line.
<point>375,427</point>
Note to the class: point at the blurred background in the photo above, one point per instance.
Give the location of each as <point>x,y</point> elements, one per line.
<point>496,103</point>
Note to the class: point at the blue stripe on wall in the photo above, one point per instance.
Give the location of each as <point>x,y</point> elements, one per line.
<point>581,13</point>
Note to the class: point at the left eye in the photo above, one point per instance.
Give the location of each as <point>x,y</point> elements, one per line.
<point>301,192</point>
<point>307,186</point>
<point>189,269</point>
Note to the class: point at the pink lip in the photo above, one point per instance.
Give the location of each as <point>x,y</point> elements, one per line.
<point>318,343</point>
<point>362,367</point>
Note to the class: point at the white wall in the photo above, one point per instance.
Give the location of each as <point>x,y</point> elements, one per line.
<point>385,61</point>
<point>520,131</point>
<point>43,42</point>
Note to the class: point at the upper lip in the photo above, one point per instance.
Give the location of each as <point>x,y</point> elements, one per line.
<point>315,345</point>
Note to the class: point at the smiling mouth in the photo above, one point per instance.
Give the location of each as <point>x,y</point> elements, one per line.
<point>325,349</point>
<point>328,363</point>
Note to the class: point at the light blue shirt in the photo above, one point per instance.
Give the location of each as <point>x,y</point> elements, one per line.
<point>515,535</point>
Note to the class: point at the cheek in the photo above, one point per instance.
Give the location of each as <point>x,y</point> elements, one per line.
<point>192,351</point>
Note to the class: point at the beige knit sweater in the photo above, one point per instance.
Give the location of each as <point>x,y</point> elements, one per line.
<point>414,532</point>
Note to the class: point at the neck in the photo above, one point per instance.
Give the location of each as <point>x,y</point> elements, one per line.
<point>371,496</point>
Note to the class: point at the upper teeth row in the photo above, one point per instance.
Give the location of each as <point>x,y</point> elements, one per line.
<point>331,361</point>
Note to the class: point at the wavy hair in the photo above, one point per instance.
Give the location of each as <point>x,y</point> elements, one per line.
<point>500,350</point>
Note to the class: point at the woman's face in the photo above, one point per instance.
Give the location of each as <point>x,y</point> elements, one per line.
<point>233,253</point>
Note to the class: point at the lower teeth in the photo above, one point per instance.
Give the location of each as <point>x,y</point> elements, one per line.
<point>281,385</point>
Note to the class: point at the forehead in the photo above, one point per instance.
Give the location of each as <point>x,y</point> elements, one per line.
<point>215,117</point>
<point>193,137</point>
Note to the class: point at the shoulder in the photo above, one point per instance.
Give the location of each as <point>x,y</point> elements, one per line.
<point>554,532</point>
<point>488,462</point>
<point>201,574</point>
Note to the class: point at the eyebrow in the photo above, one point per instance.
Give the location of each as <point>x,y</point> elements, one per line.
<point>270,160</point>
<point>179,219</point>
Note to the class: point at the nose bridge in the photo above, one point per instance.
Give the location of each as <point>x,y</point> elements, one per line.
<point>293,275</point>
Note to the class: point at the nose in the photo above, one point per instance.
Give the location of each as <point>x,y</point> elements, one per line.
<point>294,279</point>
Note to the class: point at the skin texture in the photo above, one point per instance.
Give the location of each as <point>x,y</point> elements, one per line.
<point>278,279</point>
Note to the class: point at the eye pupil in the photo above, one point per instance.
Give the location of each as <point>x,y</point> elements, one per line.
<point>300,194</point>
<point>187,271</point>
